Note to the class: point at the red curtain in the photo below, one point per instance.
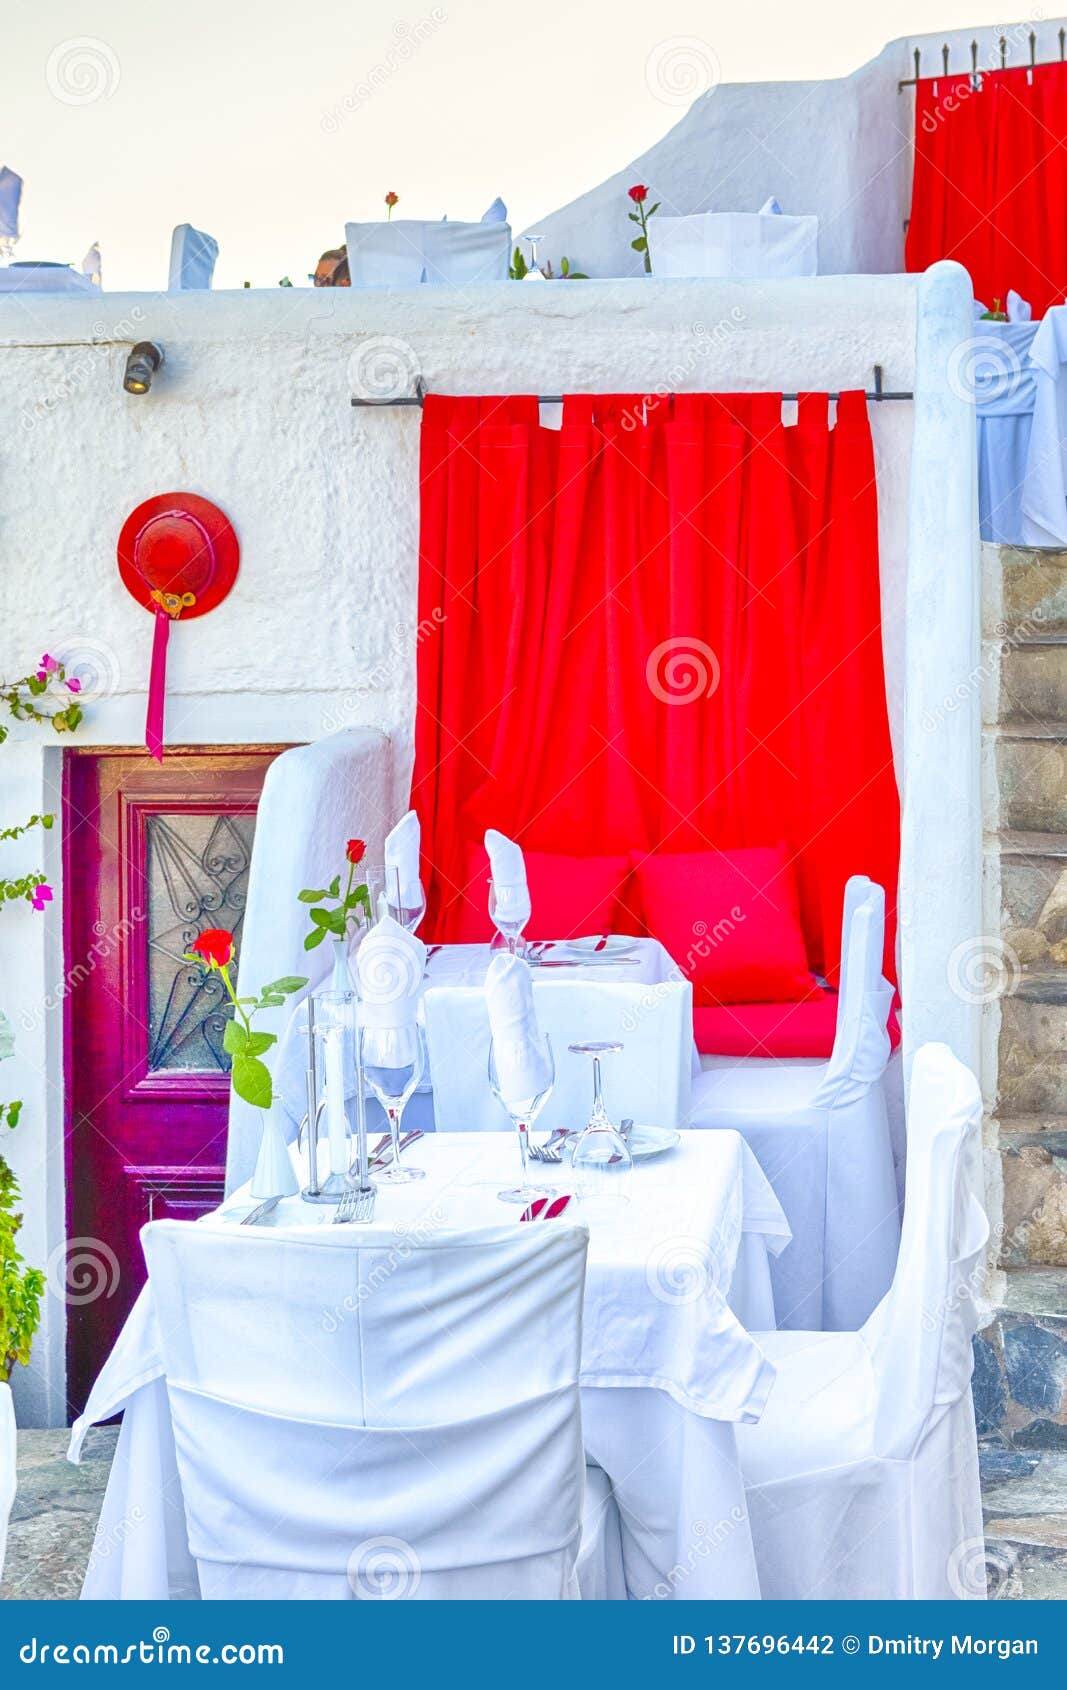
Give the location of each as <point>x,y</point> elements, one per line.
<point>655,628</point>
<point>990,181</point>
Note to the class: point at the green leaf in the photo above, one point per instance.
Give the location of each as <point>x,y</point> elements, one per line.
<point>632,215</point>
<point>322,918</point>
<point>288,983</point>
<point>312,896</point>
<point>640,244</point>
<point>259,1042</point>
<point>653,208</point>
<point>335,886</point>
<point>251,1080</point>
<point>235,1038</point>
<point>270,1000</point>
<point>315,937</point>
<point>46,821</point>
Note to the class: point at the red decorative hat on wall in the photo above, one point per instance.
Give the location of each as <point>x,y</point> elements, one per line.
<point>178,557</point>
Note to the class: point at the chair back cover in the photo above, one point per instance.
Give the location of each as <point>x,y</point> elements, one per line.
<point>332,1391</point>
<point>734,243</point>
<point>314,798</point>
<point>861,1041</point>
<point>406,252</point>
<point>648,1080</point>
<point>192,259</point>
<point>920,1334</point>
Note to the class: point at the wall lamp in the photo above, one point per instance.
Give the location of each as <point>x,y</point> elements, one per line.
<point>141,365</point>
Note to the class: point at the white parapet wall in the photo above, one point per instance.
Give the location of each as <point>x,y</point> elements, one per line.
<point>252,409</point>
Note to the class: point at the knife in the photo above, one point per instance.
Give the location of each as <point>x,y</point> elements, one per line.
<point>262,1209</point>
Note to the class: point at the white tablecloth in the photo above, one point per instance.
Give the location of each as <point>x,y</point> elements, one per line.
<point>667,1367</point>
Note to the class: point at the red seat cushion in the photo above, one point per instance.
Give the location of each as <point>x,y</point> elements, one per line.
<point>569,896</point>
<point>773,1029</point>
<point>731,921</point>
<point>768,1029</point>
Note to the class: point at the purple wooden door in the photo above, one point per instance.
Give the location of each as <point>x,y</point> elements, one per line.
<point>153,855</point>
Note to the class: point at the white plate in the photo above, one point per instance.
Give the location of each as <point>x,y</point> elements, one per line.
<point>615,945</point>
<point>652,1141</point>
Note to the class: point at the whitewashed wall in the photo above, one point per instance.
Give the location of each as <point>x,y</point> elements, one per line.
<point>252,410</point>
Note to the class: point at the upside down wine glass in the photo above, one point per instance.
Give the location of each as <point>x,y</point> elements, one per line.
<point>602,1160</point>
<point>522,1084</point>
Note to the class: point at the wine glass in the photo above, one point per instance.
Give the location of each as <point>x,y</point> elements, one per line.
<point>509,910</point>
<point>522,1081</point>
<point>534,273</point>
<point>408,915</point>
<point>394,1061</point>
<point>601,1157</point>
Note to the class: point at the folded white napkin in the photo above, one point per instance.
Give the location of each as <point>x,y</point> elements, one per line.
<point>402,847</point>
<point>509,876</point>
<point>390,964</point>
<point>1019,309</point>
<point>770,208</point>
<point>519,1050</point>
<point>497,212</point>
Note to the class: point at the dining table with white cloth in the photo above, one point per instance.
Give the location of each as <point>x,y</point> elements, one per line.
<point>646,963</point>
<point>677,1281</point>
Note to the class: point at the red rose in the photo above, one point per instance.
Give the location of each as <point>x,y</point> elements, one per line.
<point>391,198</point>
<point>355,851</point>
<point>215,945</point>
<point>638,193</point>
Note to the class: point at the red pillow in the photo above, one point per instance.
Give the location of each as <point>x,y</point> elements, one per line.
<point>570,896</point>
<point>731,921</point>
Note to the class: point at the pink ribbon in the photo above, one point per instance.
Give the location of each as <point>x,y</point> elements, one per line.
<point>157,688</point>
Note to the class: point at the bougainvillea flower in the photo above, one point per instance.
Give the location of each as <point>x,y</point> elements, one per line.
<point>41,895</point>
<point>74,685</point>
<point>49,664</point>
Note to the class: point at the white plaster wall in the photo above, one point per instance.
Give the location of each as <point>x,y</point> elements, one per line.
<point>839,149</point>
<point>252,410</point>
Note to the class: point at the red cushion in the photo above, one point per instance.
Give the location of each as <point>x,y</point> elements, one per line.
<point>731,921</point>
<point>768,1029</point>
<point>570,896</point>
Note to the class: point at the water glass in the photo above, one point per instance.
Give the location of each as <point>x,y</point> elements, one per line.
<point>394,1061</point>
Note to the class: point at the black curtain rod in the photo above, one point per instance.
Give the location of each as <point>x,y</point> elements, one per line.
<point>878,393</point>
<point>974,73</point>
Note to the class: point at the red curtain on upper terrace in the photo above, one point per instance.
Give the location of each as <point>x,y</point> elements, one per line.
<point>657,627</point>
<point>990,181</point>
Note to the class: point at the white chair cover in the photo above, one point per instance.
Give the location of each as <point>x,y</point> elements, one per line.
<point>354,1413</point>
<point>314,798</point>
<point>734,243</point>
<point>648,1080</point>
<point>862,1475</point>
<point>406,252</point>
<point>1044,494</point>
<point>192,259</point>
<point>820,1131</point>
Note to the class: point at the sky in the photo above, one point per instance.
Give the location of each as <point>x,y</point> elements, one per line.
<point>272,124</point>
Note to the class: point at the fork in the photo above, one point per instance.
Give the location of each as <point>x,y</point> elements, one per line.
<point>356,1205</point>
<point>552,1150</point>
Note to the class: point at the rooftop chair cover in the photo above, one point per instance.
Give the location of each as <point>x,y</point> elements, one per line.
<point>355,1421</point>
<point>820,1131</point>
<point>1044,493</point>
<point>405,252</point>
<point>10,197</point>
<point>999,372</point>
<point>735,243</point>
<point>648,1080</point>
<point>313,799</point>
<point>192,259</point>
<point>862,1476</point>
